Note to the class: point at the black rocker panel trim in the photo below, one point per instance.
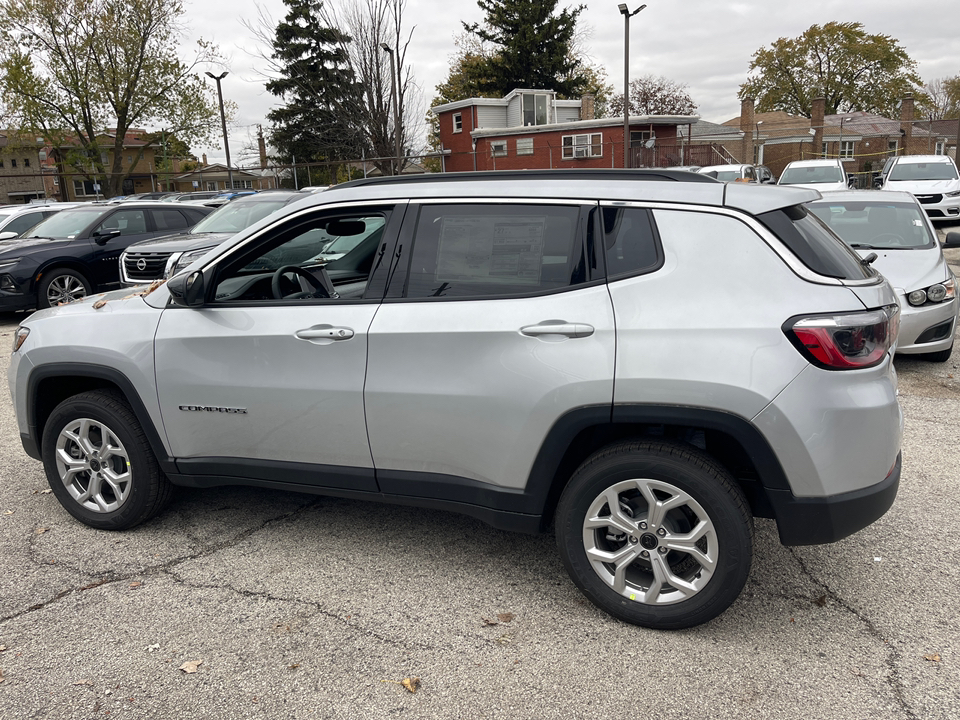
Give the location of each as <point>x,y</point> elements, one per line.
<point>99,372</point>
<point>500,519</point>
<point>275,471</point>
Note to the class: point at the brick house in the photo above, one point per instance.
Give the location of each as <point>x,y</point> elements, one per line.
<point>216,177</point>
<point>861,140</point>
<point>532,129</point>
<point>21,162</point>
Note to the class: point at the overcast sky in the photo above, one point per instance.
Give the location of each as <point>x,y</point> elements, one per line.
<point>705,44</point>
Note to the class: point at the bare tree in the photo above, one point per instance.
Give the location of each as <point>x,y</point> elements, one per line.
<point>943,98</point>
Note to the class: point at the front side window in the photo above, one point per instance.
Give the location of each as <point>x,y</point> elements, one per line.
<point>463,251</point>
<point>292,262</point>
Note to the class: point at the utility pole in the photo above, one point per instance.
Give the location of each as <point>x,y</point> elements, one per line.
<point>625,11</point>
<point>223,120</point>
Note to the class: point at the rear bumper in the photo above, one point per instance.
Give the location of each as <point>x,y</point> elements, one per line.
<point>819,520</point>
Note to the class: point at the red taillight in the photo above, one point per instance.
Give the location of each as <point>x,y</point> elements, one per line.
<point>847,341</point>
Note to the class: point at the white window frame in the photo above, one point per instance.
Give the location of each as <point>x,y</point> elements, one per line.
<point>824,149</point>
<point>458,122</point>
<point>498,148</point>
<point>83,192</point>
<point>526,148</point>
<point>846,149</point>
<point>581,147</point>
<point>940,148</point>
<point>893,146</point>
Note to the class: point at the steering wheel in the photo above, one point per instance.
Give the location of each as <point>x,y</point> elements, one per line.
<point>319,290</point>
<point>888,237</point>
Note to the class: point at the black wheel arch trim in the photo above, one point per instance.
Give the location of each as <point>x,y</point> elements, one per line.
<point>31,442</point>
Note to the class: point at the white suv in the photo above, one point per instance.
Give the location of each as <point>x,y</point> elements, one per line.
<point>820,175</point>
<point>645,361</point>
<point>932,179</point>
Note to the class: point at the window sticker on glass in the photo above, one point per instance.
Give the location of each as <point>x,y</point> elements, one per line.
<point>508,250</point>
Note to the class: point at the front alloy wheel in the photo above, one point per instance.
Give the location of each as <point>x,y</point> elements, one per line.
<point>64,289</point>
<point>93,465</point>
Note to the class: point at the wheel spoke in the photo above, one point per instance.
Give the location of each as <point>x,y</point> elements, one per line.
<point>71,465</point>
<point>617,519</point>
<point>621,559</point>
<point>659,578</point>
<point>687,543</point>
<point>119,483</point>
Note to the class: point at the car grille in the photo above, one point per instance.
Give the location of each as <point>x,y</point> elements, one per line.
<point>145,265</point>
<point>929,199</point>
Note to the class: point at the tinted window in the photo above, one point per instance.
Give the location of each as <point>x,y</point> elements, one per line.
<point>23,223</point>
<point>169,220</point>
<point>128,222</point>
<point>814,244</point>
<point>875,224</point>
<point>630,241</point>
<point>495,250</point>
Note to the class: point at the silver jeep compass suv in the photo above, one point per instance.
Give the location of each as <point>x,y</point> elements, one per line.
<point>644,361</point>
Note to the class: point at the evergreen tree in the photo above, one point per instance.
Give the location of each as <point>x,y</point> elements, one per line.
<point>319,89</point>
<point>532,47</point>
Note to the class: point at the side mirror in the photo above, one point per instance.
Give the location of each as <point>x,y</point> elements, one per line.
<point>9,235</point>
<point>952,240</point>
<point>187,290</point>
<point>101,237</point>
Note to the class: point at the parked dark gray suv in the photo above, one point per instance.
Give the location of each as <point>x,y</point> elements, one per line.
<point>644,361</point>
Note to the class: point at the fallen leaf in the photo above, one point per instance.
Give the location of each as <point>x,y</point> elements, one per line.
<point>41,531</point>
<point>9,512</point>
<point>2,648</point>
<point>505,639</point>
<point>46,492</point>
<point>821,601</point>
<point>191,666</point>
<point>135,584</point>
<point>96,306</point>
<point>487,621</point>
<point>293,667</point>
<point>411,683</point>
<point>933,658</point>
<point>83,682</point>
<point>1,676</point>
<point>505,617</point>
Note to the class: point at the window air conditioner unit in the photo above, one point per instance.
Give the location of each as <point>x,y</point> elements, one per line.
<point>581,152</point>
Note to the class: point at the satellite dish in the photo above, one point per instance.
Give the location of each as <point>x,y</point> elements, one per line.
<point>649,143</point>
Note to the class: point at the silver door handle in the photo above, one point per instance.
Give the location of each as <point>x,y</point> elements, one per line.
<point>325,332</point>
<point>554,327</point>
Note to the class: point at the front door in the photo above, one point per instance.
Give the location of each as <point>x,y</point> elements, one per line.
<point>265,381</point>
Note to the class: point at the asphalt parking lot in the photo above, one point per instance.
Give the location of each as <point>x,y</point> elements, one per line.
<point>309,607</point>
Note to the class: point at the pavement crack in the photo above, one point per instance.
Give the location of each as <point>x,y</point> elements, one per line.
<point>894,656</point>
<point>312,604</point>
<point>111,578</point>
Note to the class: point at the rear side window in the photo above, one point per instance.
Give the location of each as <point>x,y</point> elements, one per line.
<point>169,220</point>
<point>496,250</point>
<point>630,241</point>
<point>814,244</point>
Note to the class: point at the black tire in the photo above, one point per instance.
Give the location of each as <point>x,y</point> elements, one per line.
<point>66,285</point>
<point>939,357</point>
<point>140,489</point>
<point>712,503</point>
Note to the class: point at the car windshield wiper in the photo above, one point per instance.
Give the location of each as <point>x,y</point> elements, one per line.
<point>863,246</point>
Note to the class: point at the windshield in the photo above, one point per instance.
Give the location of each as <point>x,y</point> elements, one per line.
<point>815,174</point>
<point>238,215</point>
<point>923,171</point>
<point>67,223</point>
<point>876,225</point>
<point>728,175</point>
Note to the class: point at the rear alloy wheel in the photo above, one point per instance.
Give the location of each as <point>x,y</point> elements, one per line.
<point>655,533</point>
<point>99,462</point>
<point>61,286</point>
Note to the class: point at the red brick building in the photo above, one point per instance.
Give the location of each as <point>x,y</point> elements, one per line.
<point>532,129</point>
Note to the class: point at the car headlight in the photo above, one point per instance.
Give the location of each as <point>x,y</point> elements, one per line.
<point>955,193</point>
<point>187,258</point>
<point>19,337</point>
<point>936,293</point>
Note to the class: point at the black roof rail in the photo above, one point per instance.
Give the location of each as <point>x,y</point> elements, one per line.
<point>586,174</point>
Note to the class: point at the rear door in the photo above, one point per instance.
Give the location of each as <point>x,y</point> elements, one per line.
<point>497,323</point>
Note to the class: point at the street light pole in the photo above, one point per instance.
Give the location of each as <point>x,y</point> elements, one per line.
<point>394,81</point>
<point>625,11</point>
<point>223,121</point>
